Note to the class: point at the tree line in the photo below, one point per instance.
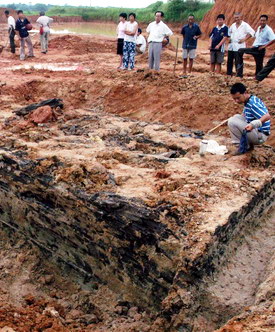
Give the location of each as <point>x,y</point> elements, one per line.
<point>175,10</point>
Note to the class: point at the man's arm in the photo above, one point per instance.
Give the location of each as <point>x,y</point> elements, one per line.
<point>256,124</point>
<point>198,33</point>
<point>221,43</point>
<point>261,114</point>
<point>267,45</point>
<point>249,34</point>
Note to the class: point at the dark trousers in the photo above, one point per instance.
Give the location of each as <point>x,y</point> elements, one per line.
<point>257,54</point>
<point>238,59</point>
<point>12,43</point>
<point>267,69</point>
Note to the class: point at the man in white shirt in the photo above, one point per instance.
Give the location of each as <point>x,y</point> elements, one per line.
<point>157,32</point>
<point>11,30</point>
<point>44,23</point>
<point>263,36</point>
<point>140,43</point>
<point>239,33</point>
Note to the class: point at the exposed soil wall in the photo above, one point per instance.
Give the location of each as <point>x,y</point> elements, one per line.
<point>251,10</point>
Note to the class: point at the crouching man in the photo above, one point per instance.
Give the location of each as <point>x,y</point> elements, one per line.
<point>255,118</point>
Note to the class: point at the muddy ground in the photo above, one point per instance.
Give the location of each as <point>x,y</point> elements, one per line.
<point>38,296</point>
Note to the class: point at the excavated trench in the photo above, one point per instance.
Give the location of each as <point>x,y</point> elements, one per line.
<point>123,243</point>
<point>148,245</point>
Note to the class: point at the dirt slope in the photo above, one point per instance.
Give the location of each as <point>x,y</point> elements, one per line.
<point>251,10</point>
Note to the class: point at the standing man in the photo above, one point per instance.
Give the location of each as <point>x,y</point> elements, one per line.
<point>11,30</point>
<point>44,23</point>
<point>24,37</point>
<point>263,36</point>
<point>269,66</point>
<point>218,37</point>
<point>191,33</point>
<point>158,31</point>
<point>239,33</point>
<point>255,118</point>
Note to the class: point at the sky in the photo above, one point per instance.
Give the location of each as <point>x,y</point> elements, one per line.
<point>101,3</point>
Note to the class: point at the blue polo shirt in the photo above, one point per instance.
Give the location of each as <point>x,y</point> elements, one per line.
<point>217,35</point>
<point>188,36</point>
<point>20,26</point>
<point>254,109</point>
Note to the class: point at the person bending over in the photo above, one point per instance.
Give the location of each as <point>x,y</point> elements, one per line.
<point>255,118</point>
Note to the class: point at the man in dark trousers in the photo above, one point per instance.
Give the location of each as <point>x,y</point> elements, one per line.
<point>239,33</point>
<point>22,32</point>
<point>269,66</point>
<point>263,36</point>
<point>191,33</point>
<point>11,30</point>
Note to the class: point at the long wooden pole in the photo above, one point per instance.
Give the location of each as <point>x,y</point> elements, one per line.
<point>219,125</point>
<point>176,57</point>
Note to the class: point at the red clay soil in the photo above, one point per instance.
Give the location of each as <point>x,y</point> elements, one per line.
<point>251,10</point>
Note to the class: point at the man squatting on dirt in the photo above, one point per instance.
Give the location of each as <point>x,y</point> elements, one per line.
<point>255,118</point>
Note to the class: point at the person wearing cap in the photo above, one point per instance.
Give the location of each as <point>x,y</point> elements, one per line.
<point>11,30</point>
<point>44,24</point>
<point>140,42</point>
<point>255,118</point>
<point>21,28</point>
<point>264,35</point>
<point>158,33</point>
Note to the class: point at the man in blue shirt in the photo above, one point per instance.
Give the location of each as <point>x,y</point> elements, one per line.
<point>21,28</point>
<point>191,33</point>
<point>255,118</point>
<point>263,36</point>
<point>218,37</point>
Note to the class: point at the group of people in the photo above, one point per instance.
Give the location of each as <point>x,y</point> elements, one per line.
<point>131,42</point>
<point>21,28</point>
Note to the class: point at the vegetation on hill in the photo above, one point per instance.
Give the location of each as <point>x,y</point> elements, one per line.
<point>175,10</point>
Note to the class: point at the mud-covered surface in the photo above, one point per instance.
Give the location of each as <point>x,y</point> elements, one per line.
<point>162,238</point>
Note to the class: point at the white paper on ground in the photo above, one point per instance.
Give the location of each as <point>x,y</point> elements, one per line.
<point>214,148</point>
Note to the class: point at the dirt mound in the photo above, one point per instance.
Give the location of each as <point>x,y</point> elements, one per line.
<point>251,10</point>
<point>78,45</point>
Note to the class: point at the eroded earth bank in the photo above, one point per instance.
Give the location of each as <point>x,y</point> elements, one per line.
<point>110,219</point>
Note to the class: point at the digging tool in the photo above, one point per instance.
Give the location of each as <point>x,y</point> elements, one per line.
<point>219,125</point>
<point>176,58</point>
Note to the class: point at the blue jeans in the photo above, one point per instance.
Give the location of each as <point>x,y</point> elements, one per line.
<point>129,52</point>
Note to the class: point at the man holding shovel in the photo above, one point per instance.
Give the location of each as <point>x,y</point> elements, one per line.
<point>254,121</point>
<point>11,30</point>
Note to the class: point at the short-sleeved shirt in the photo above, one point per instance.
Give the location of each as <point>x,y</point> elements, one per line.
<point>254,109</point>
<point>157,32</point>
<point>238,33</point>
<point>20,26</point>
<point>188,36</point>
<point>121,30</point>
<point>44,21</point>
<point>130,27</point>
<point>11,23</point>
<point>263,36</point>
<point>217,35</point>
